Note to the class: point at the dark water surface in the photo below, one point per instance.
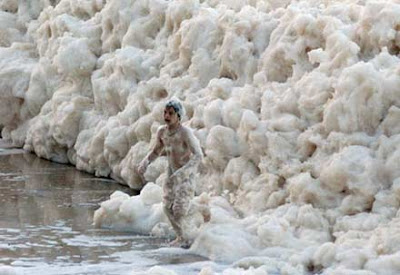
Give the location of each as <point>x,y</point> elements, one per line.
<point>46,215</point>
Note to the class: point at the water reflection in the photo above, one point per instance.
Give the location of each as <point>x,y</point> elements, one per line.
<point>43,204</point>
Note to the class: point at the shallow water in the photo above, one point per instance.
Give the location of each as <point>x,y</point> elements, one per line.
<point>46,215</point>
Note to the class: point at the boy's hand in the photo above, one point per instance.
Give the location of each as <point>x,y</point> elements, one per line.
<point>141,169</point>
<point>176,175</point>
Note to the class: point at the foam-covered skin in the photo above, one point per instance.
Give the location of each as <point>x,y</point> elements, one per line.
<point>296,105</point>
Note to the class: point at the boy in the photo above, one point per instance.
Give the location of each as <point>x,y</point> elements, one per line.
<point>184,155</point>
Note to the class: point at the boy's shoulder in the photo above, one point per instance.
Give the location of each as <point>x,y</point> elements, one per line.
<point>162,128</point>
<point>186,130</point>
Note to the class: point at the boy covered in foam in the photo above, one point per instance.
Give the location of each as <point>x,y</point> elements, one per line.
<point>184,155</point>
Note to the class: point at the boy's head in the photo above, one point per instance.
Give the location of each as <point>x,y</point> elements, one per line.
<point>176,106</point>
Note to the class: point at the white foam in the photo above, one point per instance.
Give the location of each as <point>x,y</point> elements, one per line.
<point>7,270</point>
<point>295,103</point>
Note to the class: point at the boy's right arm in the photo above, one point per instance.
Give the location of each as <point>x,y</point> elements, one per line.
<point>153,154</point>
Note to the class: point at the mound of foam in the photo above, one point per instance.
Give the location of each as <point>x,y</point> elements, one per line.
<point>139,213</point>
<point>295,103</point>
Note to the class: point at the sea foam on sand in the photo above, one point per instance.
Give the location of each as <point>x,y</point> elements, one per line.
<point>296,105</point>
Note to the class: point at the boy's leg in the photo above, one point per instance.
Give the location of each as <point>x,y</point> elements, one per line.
<point>175,225</point>
<point>184,193</point>
<point>168,203</point>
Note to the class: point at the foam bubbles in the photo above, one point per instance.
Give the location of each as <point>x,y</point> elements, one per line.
<point>295,103</point>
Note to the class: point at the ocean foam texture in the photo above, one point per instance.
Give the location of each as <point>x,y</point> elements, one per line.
<point>296,105</point>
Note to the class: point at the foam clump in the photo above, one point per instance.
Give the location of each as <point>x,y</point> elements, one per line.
<point>143,213</point>
<point>139,213</point>
<point>296,105</point>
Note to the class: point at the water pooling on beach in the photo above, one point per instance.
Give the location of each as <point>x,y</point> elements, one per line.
<point>46,215</point>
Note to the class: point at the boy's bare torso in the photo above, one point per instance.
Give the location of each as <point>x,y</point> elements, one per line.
<point>180,146</point>
<point>176,146</point>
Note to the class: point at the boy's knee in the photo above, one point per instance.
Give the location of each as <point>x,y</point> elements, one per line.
<point>206,213</point>
<point>178,211</point>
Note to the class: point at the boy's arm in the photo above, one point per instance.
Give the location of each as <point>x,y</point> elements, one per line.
<point>153,154</point>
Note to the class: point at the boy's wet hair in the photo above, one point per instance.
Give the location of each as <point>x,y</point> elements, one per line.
<point>177,106</point>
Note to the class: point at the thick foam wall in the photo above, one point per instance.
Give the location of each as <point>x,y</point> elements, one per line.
<point>296,105</point>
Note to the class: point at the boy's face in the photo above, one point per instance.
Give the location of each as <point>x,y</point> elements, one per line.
<point>170,116</point>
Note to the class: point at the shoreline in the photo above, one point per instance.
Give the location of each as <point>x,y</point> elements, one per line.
<point>6,148</point>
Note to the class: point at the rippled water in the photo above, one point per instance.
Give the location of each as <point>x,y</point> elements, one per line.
<point>46,212</point>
